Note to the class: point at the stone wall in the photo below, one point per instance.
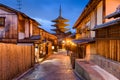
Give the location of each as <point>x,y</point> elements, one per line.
<point>81,72</point>
<point>111,66</point>
<point>85,70</point>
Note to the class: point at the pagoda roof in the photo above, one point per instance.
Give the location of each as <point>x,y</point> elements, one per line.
<point>59,19</point>
<point>61,29</point>
<point>64,29</point>
<point>9,9</point>
<point>60,25</point>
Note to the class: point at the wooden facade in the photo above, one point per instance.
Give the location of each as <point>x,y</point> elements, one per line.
<point>15,59</point>
<point>108,42</point>
<point>18,36</point>
<point>16,48</point>
<point>21,42</point>
<point>93,15</point>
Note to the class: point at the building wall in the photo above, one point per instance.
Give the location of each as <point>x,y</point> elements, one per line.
<point>14,60</point>
<point>49,48</point>
<point>27,28</point>
<point>93,22</point>
<point>90,50</point>
<point>93,48</point>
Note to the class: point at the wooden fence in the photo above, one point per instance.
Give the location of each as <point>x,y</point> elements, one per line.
<point>15,59</point>
<point>109,48</point>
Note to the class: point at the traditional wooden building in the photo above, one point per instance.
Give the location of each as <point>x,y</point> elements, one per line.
<point>22,42</point>
<point>48,41</point>
<point>108,44</point>
<point>18,36</point>
<point>92,15</point>
<point>102,47</point>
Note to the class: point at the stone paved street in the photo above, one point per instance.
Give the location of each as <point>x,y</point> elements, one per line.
<point>55,67</point>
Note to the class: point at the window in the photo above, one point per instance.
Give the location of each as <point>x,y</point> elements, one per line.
<point>2,21</point>
<point>114,32</point>
<point>22,26</point>
<point>101,33</point>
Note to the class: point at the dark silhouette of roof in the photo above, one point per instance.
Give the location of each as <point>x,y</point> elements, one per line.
<point>107,24</point>
<point>83,41</point>
<point>2,6</point>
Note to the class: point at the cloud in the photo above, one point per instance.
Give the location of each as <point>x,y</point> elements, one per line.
<point>46,24</point>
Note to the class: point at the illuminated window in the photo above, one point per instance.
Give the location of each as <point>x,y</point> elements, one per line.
<point>2,21</point>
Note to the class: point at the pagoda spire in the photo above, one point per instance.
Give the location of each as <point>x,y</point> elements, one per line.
<point>60,11</point>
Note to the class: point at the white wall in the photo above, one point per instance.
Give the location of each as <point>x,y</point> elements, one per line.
<point>100,13</point>
<point>10,23</point>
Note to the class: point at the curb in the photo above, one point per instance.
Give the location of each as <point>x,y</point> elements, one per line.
<point>23,74</point>
<point>79,76</point>
<point>26,72</point>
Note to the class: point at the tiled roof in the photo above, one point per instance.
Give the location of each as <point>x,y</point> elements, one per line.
<point>83,41</point>
<point>107,24</point>
<point>113,15</point>
<point>17,12</point>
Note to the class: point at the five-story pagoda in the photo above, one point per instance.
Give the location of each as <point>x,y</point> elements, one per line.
<point>60,25</point>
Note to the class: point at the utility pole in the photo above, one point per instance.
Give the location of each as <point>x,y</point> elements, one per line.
<point>19,5</point>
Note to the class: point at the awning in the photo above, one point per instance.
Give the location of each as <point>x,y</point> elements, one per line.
<point>35,37</point>
<point>32,39</point>
<point>107,24</point>
<point>113,15</point>
<point>83,41</point>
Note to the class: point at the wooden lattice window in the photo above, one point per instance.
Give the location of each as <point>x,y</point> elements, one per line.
<point>2,21</point>
<point>114,31</point>
<point>102,33</point>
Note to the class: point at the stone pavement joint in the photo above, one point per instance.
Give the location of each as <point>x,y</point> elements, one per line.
<point>55,67</point>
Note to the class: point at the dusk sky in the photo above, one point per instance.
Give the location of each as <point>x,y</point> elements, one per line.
<point>44,11</point>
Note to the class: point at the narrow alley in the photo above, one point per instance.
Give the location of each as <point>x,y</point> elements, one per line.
<point>55,67</point>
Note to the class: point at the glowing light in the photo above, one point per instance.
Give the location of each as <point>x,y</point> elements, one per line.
<point>36,49</point>
<point>53,47</point>
<point>68,41</point>
<point>63,41</point>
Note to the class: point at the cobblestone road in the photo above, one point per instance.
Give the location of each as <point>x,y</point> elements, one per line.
<point>55,67</point>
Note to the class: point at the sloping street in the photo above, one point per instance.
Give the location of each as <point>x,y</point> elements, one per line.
<point>55,67</point>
